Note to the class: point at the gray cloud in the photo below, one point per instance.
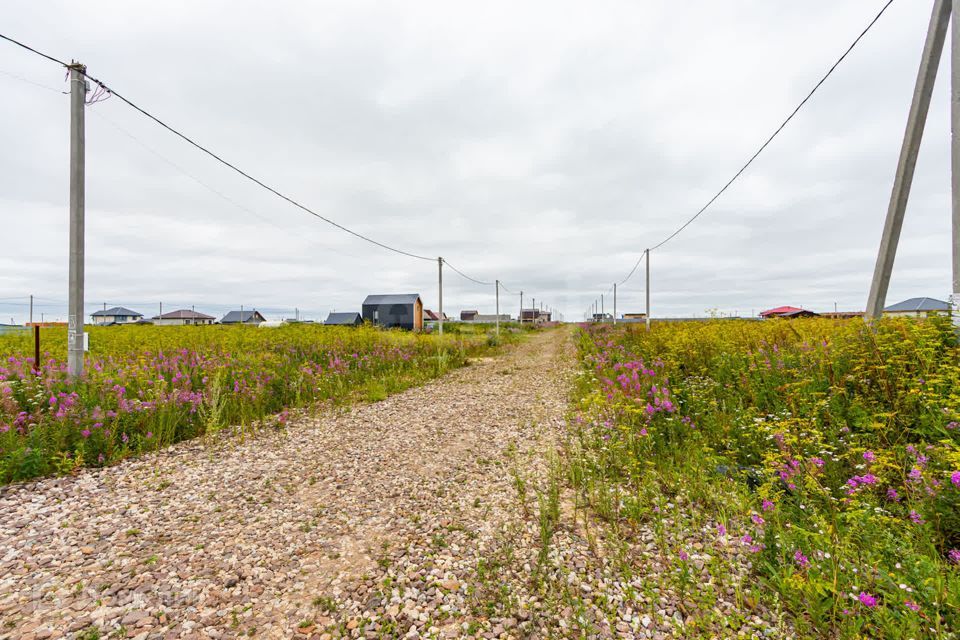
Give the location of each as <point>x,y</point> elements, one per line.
<point>545,144</point>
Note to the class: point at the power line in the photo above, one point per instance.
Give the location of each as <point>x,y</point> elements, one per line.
<point>471,279</point>
<point>775,133</point>
<point>218,158</point>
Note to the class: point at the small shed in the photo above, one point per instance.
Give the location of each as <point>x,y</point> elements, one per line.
<point>403,310</point>
<point>469,315</point>
<point>344,318</point>
<point>243,317</point>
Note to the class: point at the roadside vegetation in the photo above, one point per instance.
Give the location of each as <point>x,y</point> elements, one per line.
<point>822,456</point>
<point>147,387</point>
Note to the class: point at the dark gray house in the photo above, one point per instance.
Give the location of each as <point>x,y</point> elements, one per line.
<point>404,310</point>
<point>243,317</point>
<point>348,318</point>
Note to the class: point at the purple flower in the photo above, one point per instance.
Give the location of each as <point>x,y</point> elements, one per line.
<point>869,456</point>
<point>747,539</point>
<point>721,530</point>
<point>766,505</point>
<point>915,475</point>
<point>955,478</point>
<point>818,462</point>
<point>124,437</point>
<point>913,606</point>
<point>915,517</point>
<point>802,561</point>
<point>757,520</point>
<point>954,556</point>
<point>683,555</point>
<point>867,600</point>
<point>893,495</point>
<point>85,433</point>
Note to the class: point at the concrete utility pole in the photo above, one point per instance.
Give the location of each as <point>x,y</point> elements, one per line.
<point>498,308</point>
<point>648,289</point>
<point>521,307</point>
<point>601,307</point>
<point>614,303</point>
<point>926,76</point>
<point>440,284</point>
<point>955,155</point>
<point>31,308</point>
<point>78,96</point>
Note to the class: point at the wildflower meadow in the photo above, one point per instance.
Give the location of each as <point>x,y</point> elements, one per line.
<point>822,455</point>
<point>148,387</point>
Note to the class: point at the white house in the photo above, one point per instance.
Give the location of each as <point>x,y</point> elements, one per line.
<point>183,317</point>
<point>116,315</point>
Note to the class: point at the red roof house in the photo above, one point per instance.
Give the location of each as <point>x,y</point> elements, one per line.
<point>787,312</point>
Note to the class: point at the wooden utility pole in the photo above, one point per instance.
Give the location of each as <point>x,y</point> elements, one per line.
<point>78,95</point>
<point>919,107</point>
<point>614,303</point>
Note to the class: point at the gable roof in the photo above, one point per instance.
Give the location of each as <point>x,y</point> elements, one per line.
<point>343,317</point>
<point>780,311</point>
<point>392,298</point>
<point>430,315</point>
<point>242,316</point>
<point>184,314</point>
<point>920,304</point>
<point>117,311</point>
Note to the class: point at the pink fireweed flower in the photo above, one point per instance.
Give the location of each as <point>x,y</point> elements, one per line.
<point>955,478</point>
<point>913,606</point>
<point>85,433</point>
<point>802,561</point>
<point>915,475</point>
<point>683,555</point>
<point>869,456</point>
<point>818,462</point>
<point>721,530</point>
<point>757,520</point>
<point>746,539</point>
<point>867,600</point>
<point>915,517</point>
<point>893,495</point>
<point>767,505</point>
<point>53,401</point>
<point>954,556</point>
<point>643,431</point>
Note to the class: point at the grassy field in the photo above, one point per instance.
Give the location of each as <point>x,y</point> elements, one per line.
<point>146,387</point>
<point>826,452</point>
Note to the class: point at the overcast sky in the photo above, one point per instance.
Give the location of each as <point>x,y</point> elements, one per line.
<point>542,143</point>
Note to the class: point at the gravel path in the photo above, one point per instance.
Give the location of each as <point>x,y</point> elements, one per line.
<point>362,522</point>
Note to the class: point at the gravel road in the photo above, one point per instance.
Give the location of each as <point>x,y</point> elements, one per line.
<point>364,522</point>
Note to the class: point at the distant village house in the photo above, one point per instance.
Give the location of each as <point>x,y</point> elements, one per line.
<point>918,308</point>
<point>243,317</point>
<point>183,317</point>
<point>116,315</point>
<point>403,310</point>
<point>787,312</point>
<point>344,318</point>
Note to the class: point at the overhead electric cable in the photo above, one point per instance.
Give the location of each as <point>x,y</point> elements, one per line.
<point>218,158</point>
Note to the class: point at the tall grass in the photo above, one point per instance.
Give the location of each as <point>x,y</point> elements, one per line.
<point>146,387</point>
<point>827,451</point>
